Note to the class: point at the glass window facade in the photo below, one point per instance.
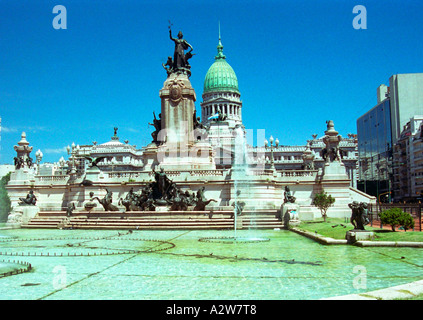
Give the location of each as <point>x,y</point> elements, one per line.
<point>375,151</point>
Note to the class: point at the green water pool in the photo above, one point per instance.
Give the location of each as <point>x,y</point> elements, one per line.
<point>167,265</point>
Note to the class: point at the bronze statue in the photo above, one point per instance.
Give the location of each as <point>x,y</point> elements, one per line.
<point>30,199</point>
<point>200,130</point>
<point>163,185</point>
<point>196,121</point>
<point>179,59</point>
<point>94,161</point>
<point>29,162</point>
<point>287,196</point>
<point>201,201</point>
<point>128,201</point>
<point>90,204</point>
<point>238,206</point>
<point>359,217</point>
<point>70,208</point>
<point>161,192</point>
<point>106,202</point>
<point>168,66</point>
<point>19,162</point>
<point>157,124</point>
<point>178,200</point>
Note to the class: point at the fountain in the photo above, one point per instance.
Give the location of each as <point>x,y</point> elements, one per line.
<point>240,176</point>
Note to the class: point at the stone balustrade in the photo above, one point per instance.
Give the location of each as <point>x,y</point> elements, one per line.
<point>52,178</point>
<point>298,173</point>
<point>123,174</point>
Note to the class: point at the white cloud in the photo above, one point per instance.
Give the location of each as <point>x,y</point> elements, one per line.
<point>7,130</point>
<point>57,150</point>
<point>38,128</point>
<point>26,129</point>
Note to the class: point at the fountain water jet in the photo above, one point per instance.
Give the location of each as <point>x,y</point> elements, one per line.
<point>240,176</point>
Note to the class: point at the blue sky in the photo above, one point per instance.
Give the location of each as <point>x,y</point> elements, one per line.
<point>298,63</point>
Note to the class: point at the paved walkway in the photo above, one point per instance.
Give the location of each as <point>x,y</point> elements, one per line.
<point>408,290</point>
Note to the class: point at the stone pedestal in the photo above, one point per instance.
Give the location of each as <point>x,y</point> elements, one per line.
<point>290,213</point>
<point>21,214</point>
<point>178,97</point>
<point>92,174</point>
<point>335,180</point>
<point>359,235</point>
<point>179,147</point>
<point>150,157</point>
<point>334,171</point>
<point>179,156</point>
<point>21,177</point>
<point>290,207</point>
<point>336,183</point>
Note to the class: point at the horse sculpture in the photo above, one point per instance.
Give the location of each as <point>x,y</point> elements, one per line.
<point>106,202</point>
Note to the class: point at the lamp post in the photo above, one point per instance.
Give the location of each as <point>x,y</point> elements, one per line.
<point>266,144</point>
<point>73,151</point>
<point>38,157</point>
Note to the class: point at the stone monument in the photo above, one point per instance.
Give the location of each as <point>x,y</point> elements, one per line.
<point>334,179</point>
<point>23,159</point>
<point>174,143</point>
<point>24,211</point>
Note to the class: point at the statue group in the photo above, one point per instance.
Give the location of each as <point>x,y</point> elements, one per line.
<point>359,216</point>
<point>179,63</point>
<point>20,162</point>
<point>164,192</point>
<point>332,154</point>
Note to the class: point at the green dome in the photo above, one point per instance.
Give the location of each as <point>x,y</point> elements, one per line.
<point>221,76</point>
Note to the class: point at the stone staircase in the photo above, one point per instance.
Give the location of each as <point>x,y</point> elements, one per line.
<point>261,219</point>
<point>153,220</point>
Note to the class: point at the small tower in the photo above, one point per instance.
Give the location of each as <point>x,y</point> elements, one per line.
<point>308,157</point>
<point>22,159</point>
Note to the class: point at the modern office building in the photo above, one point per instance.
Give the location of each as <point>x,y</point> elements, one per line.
<point>380,128</point>
<point>418,163</point>
<point>408,162</point>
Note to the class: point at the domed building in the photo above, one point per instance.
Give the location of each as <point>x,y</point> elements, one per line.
<point>221,95</point>
<point>221,91</point>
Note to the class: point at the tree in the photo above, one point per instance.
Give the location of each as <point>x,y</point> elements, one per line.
<point>323,201</point>
<point>5,205</point>
<point>396,217</point>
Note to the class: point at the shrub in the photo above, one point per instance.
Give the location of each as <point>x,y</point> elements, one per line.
<point>396,217</point>
<point>323,201</point>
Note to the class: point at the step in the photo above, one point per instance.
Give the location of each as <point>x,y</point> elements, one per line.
<point>152,220</point>
<point>152,227</point>
<point>39,226</point>
<point>149,224</point>
<point>148,220</point>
